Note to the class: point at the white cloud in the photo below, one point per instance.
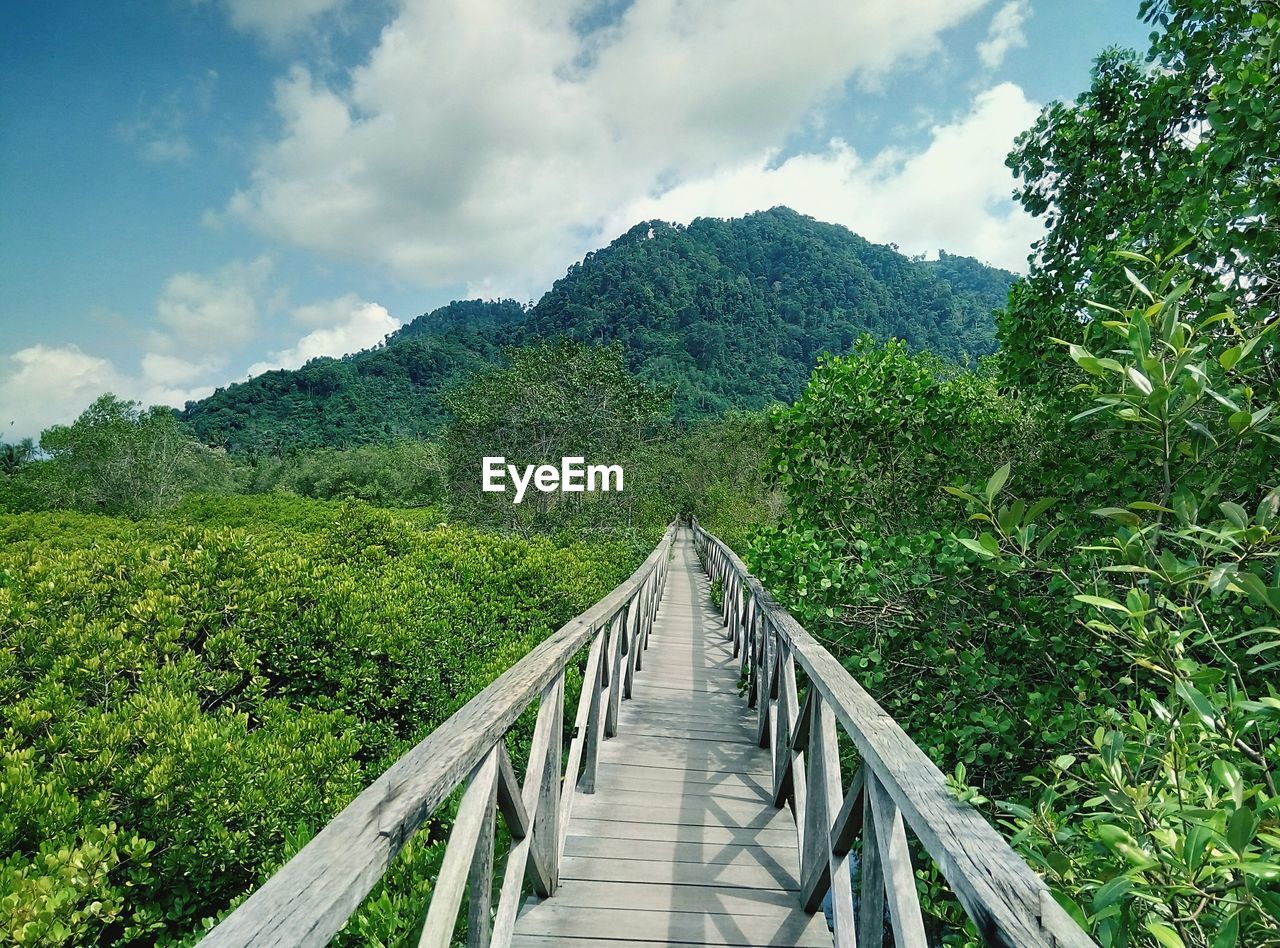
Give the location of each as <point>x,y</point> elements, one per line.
<point>1006,33</point>
<point>206,313</point>
<point>342,325</point>
<point>953,194</point>
<point>277,21</point>
<point>159,128</point>
<point>45,385</point>
<point>484,141</point>
<point>206,317</point>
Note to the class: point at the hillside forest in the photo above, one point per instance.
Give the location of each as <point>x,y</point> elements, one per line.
<point>1047,541</point>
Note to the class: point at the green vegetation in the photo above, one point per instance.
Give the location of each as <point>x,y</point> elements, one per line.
<point>181,703</point>
<point>732,313</point>
<point>1060,572</point>
<point>1057,566</point>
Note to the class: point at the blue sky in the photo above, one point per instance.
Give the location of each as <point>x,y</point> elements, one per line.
<point>193,191</point>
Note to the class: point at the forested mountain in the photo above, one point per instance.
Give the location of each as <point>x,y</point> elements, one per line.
<point>733,313</point>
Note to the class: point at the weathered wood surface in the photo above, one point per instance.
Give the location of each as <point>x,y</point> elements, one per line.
<point>1008,902</point>
<point>310,899</point>
<point>680,842</point>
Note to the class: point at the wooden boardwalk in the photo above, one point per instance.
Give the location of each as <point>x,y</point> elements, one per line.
<point>645,814</point>
<point>680,843</point>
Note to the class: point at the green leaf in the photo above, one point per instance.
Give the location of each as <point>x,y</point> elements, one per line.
<point>1228,935</point>
<point>1140,381</point>
<point>1240,830</point>
<point>1239,421</point>
<point>976,547</point>
<point>1120,842</point>
<point>1039,507</point>
<point>1198,703</point>
<point>1167,937</point>
<point>1141,287</point>
<point>962,494</point>
<point>1227,776</point>
<point>1070,906</point>
<point>1101,603</point>
<point>1127,517</point>
<point>997,482</point>
<point>1229,357</point>
<point>1234,513</point>
<point>1090,411</point>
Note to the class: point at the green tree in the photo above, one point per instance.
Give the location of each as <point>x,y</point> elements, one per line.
<point>551,400</point>
<point>118,458</point>
<point>1183,142</point>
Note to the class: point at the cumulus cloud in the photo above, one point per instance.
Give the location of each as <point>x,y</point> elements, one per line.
<point>277,21</point>
<point>211,312</point>
<point>45,385</point>
<point>203,317</point>
<point>484,141</point>
<point>1006,33</point>
<point>952,194</point>
<point>341,326</point>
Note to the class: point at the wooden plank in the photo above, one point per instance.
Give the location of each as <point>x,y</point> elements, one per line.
<point>685,760</point>
<point>510,802</point>
<point>311,897</point>
<point>618,645</point>
<point>689,749</point>
<point>795,929</point>
<point>659,794</point>
<point>871,885</point>
<point>679,783</point>
<point>593,737</point>
<point>545,850</point>
<point>1008,902</point>
<point>723,737</point>
<point>710,898</point>
<point>899,879</point>
<point>632,719</point>
<point>622,869</point>
<point>535,853</point>
<point>474,812</point>
<point>675,833</point>
<point>577,746</point>
<point>698,853</point>
<point>699,812</point>
<point>848,822</point>
<point>480,876</point>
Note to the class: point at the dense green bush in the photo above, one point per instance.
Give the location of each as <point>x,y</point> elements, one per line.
<point>1129,678</point>
<point>179,701</point>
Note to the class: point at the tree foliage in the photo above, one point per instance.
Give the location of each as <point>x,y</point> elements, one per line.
<point>181,704</point>
<point>1181,144</point>
<point>733,313</point>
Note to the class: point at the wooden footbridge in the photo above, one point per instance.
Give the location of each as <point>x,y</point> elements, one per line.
<point>698,800</point>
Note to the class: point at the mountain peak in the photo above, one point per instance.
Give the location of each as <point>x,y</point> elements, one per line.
<point>734,312</point>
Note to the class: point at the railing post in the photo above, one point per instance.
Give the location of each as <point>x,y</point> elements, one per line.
<point>764,686</point>
<point>633,651</point>
<point>472,827</point>
<point>890,838</point>
<point>546,805</point>
<point>594,718</point>
<point>618,647</point>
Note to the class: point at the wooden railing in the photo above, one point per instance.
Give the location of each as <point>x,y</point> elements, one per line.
<point>311,898</point>
<point>896,789</point>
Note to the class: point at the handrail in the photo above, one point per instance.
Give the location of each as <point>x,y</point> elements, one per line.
<point>897,787</point>
<point>312,896</point>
